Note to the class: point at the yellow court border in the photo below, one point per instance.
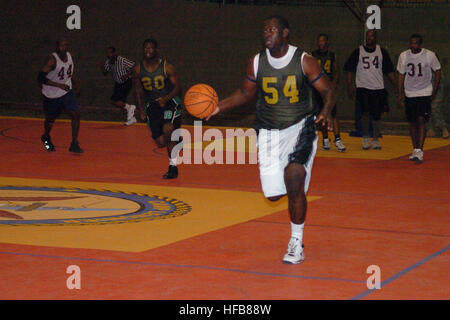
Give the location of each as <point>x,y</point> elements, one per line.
<point>211,210</point>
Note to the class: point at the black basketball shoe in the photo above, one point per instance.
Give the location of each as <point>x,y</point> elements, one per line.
<point>75,147</point>
<point>48,145</point>
<point>172,173</point>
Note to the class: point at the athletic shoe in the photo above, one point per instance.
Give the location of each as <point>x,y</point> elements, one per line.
<point>48,145</point>
<point>326,144</point>
<point>413,156</point>
<point>376,145</point>
<point>366,144</point>
<point>339,145</point>
<point>172,173</point>
<point>131,121</point>
<point>130,112</point>
<point>419,156</point>
<point>445,133</point>
<point>294,253</point>
<point>75,147</point>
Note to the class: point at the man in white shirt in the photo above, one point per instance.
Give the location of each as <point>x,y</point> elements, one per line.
<point>56,79</point>
<point>415,67</point>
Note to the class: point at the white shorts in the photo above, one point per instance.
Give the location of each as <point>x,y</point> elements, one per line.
<point>278,148</point>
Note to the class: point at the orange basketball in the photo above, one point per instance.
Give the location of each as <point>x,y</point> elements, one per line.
<point>201,100</point>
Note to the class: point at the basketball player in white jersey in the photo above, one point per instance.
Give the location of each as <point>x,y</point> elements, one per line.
<point>281,76</point>
<point>415,67</point>
<point>370,63</point>
<point>55,80</point>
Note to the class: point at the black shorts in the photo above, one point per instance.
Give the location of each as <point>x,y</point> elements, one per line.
<point>54,107</point>
<point>418,107</point>
<point>157,116</point>
<point>121,91</point>
<point>375,102</point>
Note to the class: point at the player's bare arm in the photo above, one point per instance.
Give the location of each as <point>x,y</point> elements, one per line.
<point>49,65</point>
<point>103,69</point>
<point>336,73</point>
<point>137,85</point>
<point>176,91</point>
<point>241,96</point>
<point>76,83</point>
<point>323,86</point>
<point>394,81</point>
<point>350,87</point>
<point>400,95</point>
<point>436,82</point>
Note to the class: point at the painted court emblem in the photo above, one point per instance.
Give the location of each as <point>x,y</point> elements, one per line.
<point>39,206</point>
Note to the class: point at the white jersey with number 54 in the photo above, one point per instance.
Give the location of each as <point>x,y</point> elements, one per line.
<point>61,74</point>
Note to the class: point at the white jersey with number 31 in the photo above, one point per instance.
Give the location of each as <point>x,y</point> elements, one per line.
<point>417,70</point>
<point>61,74</point>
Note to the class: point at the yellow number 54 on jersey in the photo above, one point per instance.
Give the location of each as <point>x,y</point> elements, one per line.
<point>289,90</point>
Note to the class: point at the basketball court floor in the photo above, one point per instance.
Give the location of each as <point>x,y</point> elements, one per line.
<point>210,234</point>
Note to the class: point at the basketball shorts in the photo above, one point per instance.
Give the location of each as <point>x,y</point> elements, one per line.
<point>121,91</point>
<point>157,116</point>
<point>418,107</point>
<point>54,107</point>
<point>278,148</point>
<point>375,102</point>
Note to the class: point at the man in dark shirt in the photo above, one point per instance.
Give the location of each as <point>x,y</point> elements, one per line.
<point>328,62</point>
<point>370,63</point>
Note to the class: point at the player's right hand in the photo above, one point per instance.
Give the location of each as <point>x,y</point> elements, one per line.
<point>400,102</point>
<point>216,111</point>
<point>64,87</point>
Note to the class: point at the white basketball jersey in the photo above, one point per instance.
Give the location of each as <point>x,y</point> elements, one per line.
<point>369,72</point>
<point>61,74</point>
<point>417,70</point>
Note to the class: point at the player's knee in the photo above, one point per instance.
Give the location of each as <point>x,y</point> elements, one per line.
<point>160,142</point>
<point>295,172</point>
<point>50,119</point>
<point>75,115</point>
<point>168,129</point>
<point>294,179</point>
<point>421,120</point>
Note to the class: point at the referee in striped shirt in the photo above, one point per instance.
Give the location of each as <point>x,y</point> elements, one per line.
<point>121,69</point>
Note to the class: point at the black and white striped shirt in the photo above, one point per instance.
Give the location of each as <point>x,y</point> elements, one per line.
<point>119,68</point>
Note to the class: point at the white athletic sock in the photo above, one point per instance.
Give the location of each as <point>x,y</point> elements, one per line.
<point>297,231</point>
<point>173,162</point>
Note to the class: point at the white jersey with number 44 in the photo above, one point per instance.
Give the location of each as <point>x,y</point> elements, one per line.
<point>61,74</point>
<point>417,70</point>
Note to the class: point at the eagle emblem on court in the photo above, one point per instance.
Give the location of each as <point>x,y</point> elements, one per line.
<point>39,206</point>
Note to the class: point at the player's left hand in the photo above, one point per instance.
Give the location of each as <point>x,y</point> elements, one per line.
<point>324,122</point>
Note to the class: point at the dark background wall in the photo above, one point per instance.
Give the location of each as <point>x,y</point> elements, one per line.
<point>206,42</point>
